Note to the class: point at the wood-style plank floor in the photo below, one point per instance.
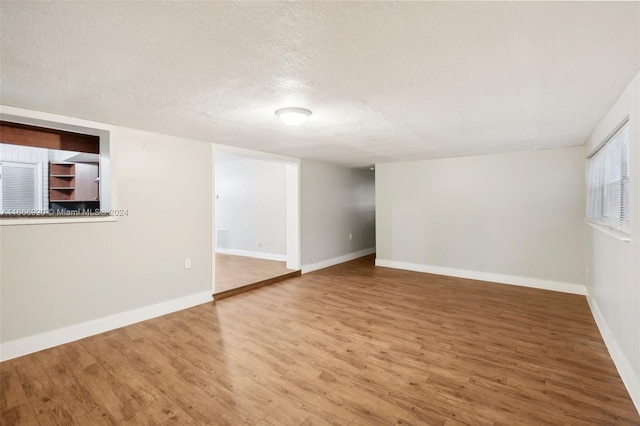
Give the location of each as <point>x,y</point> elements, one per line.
<point>349,345</point>
<point>237,271</point>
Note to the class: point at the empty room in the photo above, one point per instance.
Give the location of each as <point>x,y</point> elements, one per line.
<point>450,192</point>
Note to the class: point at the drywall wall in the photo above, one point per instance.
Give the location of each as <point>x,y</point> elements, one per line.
<point>335,202</point>
<point>251,203</point>
<point>61,275</point>
<point>613,278</point>
<point>515,218</point>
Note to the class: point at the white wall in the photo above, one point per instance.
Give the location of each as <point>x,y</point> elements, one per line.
<point>515,218</point>
<point>613,280</point>
<point>252,204</point>
<point>335,202</point>
<point>56,276</point>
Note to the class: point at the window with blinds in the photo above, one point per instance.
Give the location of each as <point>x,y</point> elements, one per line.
<point>608,183</point>
<point>49,172</point>
<point>20,187</point>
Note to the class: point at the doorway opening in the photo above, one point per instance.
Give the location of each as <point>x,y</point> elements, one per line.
<point>255,220</point>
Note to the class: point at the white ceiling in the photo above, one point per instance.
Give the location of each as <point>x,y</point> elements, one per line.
<point>386,81</point>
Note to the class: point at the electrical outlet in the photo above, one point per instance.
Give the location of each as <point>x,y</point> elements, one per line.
<point>351,236</point>
<point>187,263</point>
<point>259,244</point>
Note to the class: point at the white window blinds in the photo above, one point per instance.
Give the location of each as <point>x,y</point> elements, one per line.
<point>19,187</point>
<point>608,183</point>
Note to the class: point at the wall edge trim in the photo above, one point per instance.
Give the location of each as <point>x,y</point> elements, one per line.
<point>310,267</point>
<point>38,342</point>
<point>486,276</point>
<point>254,254</point>
<point>629,377</point>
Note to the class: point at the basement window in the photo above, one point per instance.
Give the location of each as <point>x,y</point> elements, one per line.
<point>608,184</point>
<point>49,172</point>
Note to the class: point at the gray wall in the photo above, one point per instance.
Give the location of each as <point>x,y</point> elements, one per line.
<point>56,275</point>
<point>335,202</point>
<point>252,203</point>
<point>613,280</point>
<point>517,214</point>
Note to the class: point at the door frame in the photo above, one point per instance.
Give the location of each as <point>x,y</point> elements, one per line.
<point>292,208</point>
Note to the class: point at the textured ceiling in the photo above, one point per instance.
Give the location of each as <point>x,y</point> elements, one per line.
<point>386,81</point>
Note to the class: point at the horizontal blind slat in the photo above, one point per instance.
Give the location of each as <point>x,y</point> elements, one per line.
<point>608,183</point>
<point>19,186</point>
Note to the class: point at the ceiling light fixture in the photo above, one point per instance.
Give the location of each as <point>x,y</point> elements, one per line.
<point>293,116</point>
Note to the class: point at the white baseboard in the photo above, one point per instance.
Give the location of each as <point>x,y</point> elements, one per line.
<point>336,260</point>
<point>255,254</point>
<point>49,339</point>
<point>486,276</point>
<point>628,375</point>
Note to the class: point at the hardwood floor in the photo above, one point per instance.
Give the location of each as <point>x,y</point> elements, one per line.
<point>237,271</point>
<point>254,286</point>
<point>349,345</point>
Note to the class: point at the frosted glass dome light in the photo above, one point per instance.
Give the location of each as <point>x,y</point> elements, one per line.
<point>293,116</point>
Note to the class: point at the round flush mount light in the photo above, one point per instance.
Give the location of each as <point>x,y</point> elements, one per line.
<point>293,116</point>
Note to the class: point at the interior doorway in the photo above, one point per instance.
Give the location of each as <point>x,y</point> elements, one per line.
<point>255,220</point>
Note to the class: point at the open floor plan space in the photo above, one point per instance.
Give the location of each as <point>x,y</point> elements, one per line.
<point>353,344</point>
